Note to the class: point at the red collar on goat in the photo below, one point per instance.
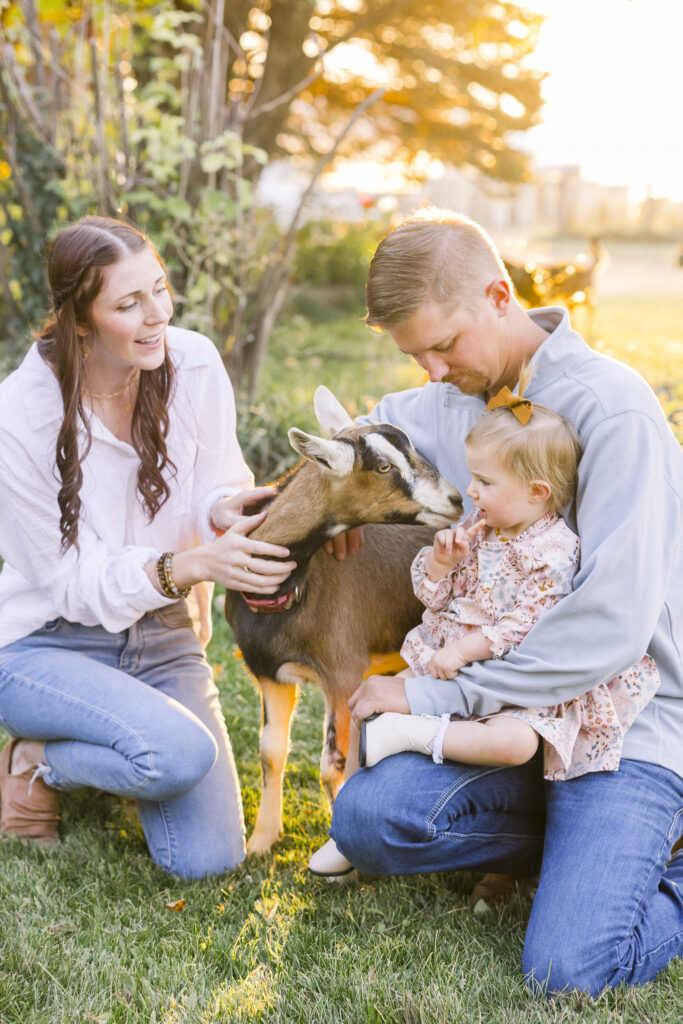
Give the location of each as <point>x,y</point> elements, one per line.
<point>266,605</point>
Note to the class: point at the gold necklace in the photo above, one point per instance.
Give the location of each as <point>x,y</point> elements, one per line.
<point>118,425</point>
<point>134,377</point>
<point>115,394</point>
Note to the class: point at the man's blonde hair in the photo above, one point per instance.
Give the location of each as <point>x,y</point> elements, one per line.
<point>435,254</point>
<point>546,448</point>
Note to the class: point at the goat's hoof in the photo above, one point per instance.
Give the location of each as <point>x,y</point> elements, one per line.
<point>260,844</point>
<point>491,888</point>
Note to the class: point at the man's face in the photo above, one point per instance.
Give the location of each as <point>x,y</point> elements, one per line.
<point>456,346</point>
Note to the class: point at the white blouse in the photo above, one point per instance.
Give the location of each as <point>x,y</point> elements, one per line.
<point>104,582</point>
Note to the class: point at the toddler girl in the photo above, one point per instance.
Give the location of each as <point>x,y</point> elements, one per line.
<point>484,585</point>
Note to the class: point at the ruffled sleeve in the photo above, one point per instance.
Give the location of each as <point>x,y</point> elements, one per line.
<point>434,594</point>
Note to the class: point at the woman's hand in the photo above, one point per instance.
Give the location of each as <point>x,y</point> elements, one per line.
<point>227,511</point>
<point>239,563</point>
<point>234,560</point>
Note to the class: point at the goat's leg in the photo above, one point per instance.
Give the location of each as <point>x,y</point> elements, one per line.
<point>277,702</point>
<point>335,745</point>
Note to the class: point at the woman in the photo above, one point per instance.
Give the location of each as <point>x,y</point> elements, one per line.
<point>123,487</point>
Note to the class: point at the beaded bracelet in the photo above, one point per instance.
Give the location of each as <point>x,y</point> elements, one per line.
<point>165,577</point>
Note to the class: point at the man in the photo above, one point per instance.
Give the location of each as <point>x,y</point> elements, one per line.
<point>609,907</point>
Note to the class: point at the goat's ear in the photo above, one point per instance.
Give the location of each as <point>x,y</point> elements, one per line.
<point>331,414</point>
<point>333,456</point>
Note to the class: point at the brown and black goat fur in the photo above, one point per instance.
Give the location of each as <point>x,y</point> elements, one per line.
<point>343,612</point>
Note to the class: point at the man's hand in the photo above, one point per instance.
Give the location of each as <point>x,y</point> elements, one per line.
<point>379,693</point>
<point>348,543</point>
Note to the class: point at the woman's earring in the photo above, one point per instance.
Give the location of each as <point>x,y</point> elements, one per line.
<point>85,349</point>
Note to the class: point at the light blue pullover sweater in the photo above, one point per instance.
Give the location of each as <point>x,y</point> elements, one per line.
<point>628,592</point>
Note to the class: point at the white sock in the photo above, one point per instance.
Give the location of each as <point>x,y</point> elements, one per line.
<point>436,745</point>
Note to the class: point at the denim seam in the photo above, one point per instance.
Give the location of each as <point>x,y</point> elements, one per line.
<point>503,837</point>
<point>675,831</point>
<point>448,795</point>
<point>639,905</point>
<point>105,716</point>
<point>170,846</point>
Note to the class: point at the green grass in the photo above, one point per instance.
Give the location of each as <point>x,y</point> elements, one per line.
<point>85,935</point>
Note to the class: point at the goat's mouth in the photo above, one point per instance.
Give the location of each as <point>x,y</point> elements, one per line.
<point>430,517</point>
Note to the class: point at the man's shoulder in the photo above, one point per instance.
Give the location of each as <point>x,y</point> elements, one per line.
<point>589,385</point>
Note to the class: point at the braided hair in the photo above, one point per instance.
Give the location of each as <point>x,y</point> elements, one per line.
<point>76,262</point>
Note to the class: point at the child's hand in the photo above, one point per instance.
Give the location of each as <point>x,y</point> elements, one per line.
<point>451,546</point>
<point>447,662</point>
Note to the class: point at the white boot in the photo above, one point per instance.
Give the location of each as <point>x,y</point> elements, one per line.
<point>391,733</point>
<point>328,861</point>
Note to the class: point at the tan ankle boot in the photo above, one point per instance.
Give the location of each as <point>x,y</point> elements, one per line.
<point>29,807</point>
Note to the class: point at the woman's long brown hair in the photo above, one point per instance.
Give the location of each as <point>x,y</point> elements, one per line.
<point>77,257</point>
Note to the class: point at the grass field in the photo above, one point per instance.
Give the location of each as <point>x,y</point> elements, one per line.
<point>85,931</point>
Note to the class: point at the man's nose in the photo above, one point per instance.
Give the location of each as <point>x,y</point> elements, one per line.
<point>435,366</point>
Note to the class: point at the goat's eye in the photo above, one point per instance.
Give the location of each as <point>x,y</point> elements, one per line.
<point>384,467</point>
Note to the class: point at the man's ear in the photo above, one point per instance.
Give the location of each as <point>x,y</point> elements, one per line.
<point>540,490</point>
<point>498,292</point>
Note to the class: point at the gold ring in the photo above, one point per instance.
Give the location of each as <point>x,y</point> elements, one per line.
<point>246,568</point>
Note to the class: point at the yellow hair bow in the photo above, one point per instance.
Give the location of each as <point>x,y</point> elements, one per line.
<point>522,408</point>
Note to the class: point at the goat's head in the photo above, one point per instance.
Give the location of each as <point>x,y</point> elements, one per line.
<point>373,473</point>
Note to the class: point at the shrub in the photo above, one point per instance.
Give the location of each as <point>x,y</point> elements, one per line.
<point>334,253</point>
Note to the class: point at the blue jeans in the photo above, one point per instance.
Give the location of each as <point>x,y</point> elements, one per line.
<point>136,714</point>
<point>608,908</point>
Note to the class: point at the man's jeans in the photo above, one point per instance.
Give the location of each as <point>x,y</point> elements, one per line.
<point>136,714</point>
<point>608,908</point>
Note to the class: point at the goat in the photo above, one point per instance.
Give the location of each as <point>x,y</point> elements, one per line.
<point>332,616</point>
<point>572,282</point>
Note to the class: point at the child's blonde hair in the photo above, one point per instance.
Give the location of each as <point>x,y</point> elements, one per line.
<point>546,448</point>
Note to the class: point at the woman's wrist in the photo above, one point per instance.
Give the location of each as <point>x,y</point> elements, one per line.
<point>189,567</point>
<point>182,571</point>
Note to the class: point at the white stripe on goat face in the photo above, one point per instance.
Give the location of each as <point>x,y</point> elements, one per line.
<point>386,450</point>
<point>429,490</point>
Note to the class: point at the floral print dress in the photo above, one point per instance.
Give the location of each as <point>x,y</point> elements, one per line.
<point>502,587</point>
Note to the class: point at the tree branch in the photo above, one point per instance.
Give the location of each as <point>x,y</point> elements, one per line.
<point>325,160</point>
<point>265,108</point>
